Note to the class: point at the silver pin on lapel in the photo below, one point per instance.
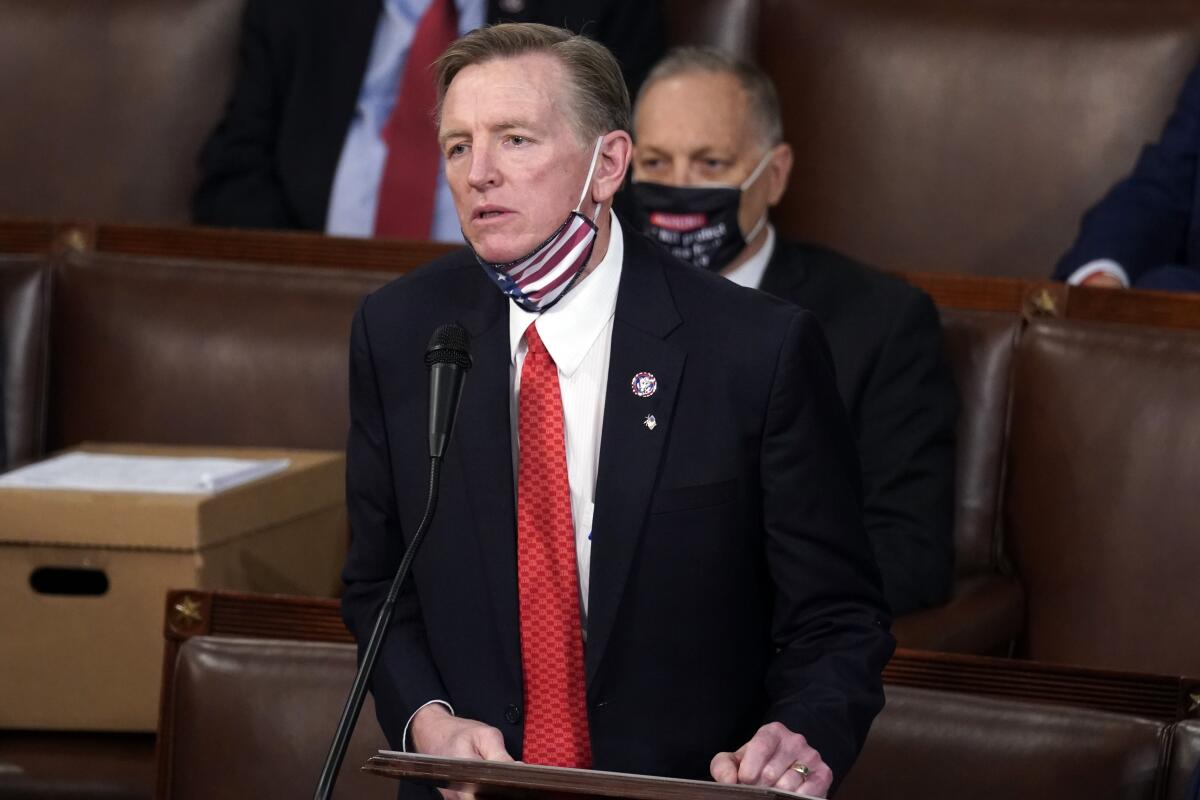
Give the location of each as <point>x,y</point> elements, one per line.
<point>650,422</point>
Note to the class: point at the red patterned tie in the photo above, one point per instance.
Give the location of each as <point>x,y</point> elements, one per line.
<point>409,184</point>
<point>556,725</point>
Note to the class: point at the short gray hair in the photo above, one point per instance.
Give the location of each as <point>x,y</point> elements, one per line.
<point>760,91</point>
<point>599,98</point>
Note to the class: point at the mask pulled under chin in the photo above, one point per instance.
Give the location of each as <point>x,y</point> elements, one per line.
<point>697,224</point>
<point>541,278</point>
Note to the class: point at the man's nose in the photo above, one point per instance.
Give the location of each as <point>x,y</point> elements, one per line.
<point>483,172</point>
<point>679,173</point>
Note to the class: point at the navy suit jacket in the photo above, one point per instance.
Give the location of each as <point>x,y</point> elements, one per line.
<point>270,163</point>
<point>1151,218</point>
<point>898,388</point>
<point>732,583</point>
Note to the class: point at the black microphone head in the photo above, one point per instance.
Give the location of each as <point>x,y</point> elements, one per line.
<point>451,344</point>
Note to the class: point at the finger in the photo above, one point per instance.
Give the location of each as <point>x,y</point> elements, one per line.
<point>724,768</point>
<point>779,772</point>
<point>758,751</point>
<point>820,782</point>
<point>489,745</point>
<point>819,779</point>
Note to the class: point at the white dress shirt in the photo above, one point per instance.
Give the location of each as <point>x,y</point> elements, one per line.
<point>750,274</point>
<point>577,332</point>
<point>355,191</point>
<point>1105,266</point>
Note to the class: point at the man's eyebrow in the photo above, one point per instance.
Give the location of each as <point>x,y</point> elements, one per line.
<point>509,124</point>
<point>504,125</point>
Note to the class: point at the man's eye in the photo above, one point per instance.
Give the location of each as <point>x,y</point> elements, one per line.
<point>651,163</point>
<point>456,150</point>
<point>517,140</point>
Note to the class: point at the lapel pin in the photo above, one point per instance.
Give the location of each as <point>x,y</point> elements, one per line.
<point>650,422</point>
<point>644,384</point>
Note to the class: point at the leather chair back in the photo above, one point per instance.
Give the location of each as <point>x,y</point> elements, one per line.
<point>1185,761</point>
<point>202,353</point>
<point>24,345</point>
<point>955,136</point>
<point>942,744</point>
<point>254,718</point>
<point>1102,502</point>
<point>729,24</point>
<point>107,104</point>
<point>980,345</point>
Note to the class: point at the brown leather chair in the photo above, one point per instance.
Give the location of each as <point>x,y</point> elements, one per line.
<point>966,136</point>
<point>928,743</point>
<point>24,349</point>
<point>107,104</point>
<point>201,353</point>
<point>1184,759</point>
<point>253,718</point>
<point>1103,502</point>
<point>986,610</point>
<point>261,706</point>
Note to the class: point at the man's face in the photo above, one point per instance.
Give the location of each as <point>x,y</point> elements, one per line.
<point>513,160</point>
<point>696,128</point>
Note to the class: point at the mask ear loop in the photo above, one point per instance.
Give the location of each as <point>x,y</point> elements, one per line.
<point>753,176</point>
<point>746,184</point>
<point>587,184</point>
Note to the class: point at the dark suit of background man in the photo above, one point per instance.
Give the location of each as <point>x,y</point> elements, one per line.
<point>1145,233</point>
<point>302,144</point>
<point>705,119</point>
<point>715,597</point>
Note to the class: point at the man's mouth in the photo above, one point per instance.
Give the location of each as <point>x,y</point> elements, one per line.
<point>489,212</point>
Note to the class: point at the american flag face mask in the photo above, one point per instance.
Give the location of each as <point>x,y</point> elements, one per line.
<point>537,281</point>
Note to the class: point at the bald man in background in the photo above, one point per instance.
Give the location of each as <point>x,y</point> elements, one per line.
<point>710,161</point>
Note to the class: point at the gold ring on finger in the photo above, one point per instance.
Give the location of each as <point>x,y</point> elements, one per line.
<point>803,770</point>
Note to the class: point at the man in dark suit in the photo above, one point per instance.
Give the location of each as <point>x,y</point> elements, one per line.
<point>682,584</point>
<point>1145,233</point>
<point>300,146</point>
<point>710,161</point>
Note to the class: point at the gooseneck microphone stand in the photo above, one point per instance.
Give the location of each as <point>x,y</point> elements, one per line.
<point>448,359</point>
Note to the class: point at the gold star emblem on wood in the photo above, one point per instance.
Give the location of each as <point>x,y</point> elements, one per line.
<point>1043,303</point>
<point>187,613</point>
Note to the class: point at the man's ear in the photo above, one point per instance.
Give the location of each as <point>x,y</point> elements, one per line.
<point>779,169</point>
<point>616,153</point>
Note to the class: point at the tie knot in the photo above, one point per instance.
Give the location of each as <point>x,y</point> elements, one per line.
<point>533,341</point>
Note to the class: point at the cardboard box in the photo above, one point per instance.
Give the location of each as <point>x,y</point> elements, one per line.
<point>93,661</point>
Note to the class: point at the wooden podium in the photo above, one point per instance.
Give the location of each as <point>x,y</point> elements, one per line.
<point>504,779</point>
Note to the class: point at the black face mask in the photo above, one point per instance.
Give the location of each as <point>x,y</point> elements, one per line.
<point>698,224</point>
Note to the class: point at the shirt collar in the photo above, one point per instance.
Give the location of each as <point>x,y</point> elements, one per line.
<point>750,274</point>
<point>571,326</point>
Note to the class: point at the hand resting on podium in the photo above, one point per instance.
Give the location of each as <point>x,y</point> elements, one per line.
<point>771,758</point>
<point>778,758</point>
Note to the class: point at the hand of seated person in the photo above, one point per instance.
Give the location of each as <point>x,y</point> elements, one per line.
<point>437,732</point>
<point>778,758</point>
<point>1102,280</point>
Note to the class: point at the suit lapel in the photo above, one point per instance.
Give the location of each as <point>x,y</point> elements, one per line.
<point>630,450</point>
<point>485,464</point>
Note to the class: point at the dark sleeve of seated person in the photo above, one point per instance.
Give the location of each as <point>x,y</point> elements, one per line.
<point>240,163</point>
<point>1149,220</point>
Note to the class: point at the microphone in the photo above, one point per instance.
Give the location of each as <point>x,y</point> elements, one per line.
<point>448,358</point>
